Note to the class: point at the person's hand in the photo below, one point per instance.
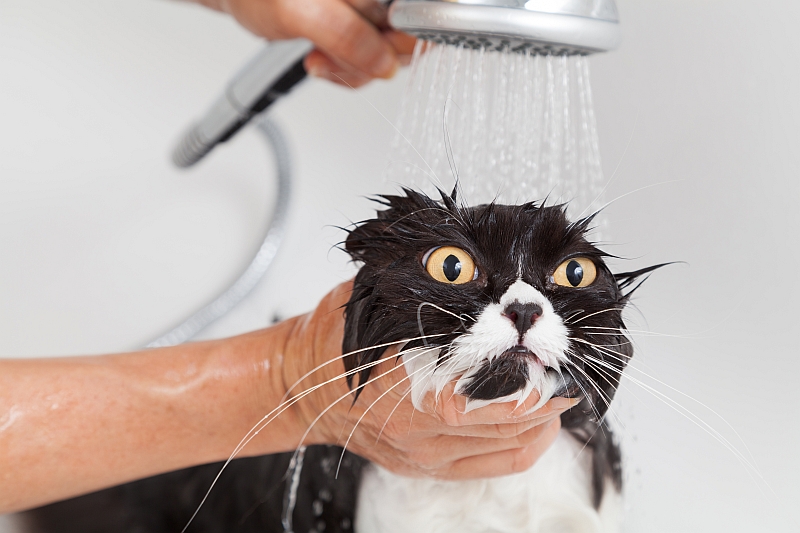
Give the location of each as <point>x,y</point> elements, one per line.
<point>354,43</point>
<point>441,442</point>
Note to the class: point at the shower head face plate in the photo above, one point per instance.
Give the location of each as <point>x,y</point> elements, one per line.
<point>540,26</point>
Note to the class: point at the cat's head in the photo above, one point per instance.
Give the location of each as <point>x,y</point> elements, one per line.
<point>504,298</point>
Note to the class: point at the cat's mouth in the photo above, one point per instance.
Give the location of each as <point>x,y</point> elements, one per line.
<point>504,375</point>
<point>520,351</point>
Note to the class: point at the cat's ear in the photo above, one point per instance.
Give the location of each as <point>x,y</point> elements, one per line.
<point>367,239</point>
<point>377,239</point>
<point>628,279</point>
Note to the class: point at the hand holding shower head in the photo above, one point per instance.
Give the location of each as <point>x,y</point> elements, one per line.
<point>542,26</point>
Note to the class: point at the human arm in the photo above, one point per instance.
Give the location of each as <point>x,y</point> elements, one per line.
<point>354,42</point>
<point>74,425</point>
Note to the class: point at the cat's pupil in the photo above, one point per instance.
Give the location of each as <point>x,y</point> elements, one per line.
<point>574,273</point>
<point>451,267</point>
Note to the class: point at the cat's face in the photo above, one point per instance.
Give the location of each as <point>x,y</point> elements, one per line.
<point>506,299</point>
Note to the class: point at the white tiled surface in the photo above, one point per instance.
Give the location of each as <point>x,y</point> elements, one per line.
<point>103,245</point>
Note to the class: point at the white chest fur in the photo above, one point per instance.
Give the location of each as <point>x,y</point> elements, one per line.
<point>552,497</point>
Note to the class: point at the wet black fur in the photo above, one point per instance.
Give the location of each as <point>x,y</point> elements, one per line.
<point>389,288</point>
<point>248,498</point>
<point>504,241</point>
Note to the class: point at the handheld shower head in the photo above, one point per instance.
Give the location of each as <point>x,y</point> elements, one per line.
<point>541,26</point>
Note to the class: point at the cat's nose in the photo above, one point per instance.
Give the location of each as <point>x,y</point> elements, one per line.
<point>522,315</point>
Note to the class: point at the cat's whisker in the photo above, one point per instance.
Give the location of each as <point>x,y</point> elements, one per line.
<point>573,315</point>
<point>448,146</point>
<point>443,310</point>
<point>696,420</point>
<point>604,396</point>
<point>605,335</point>
<point>625,331</point>
<point>600,392</point>
<point>703,405</point>
<point>599,427</point>
<point>339,358</point>
<point>448,369</point>
<point>620,197</point>
<point>600,419</point>
<point>274,414</point>
<point>624,358</point>
<point>610,309</point>
<point>704,426</point>
<point>349,393</point>
<point>423,209</point>
<point>399,402</point>
<point>392,124</point>
<point>286,404</point>
<point>578,383</point>
<point>367,410</point>
<point>390,162</point>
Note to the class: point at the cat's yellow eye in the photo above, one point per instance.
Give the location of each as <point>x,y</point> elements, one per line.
<point>449,264</point>
<point>575,272</point>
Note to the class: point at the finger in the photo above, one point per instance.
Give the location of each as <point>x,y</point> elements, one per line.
<point>448,449</point>
<point>377,13</point>
<point>320,66</point>
<point>402,43</point>
<point>502,463</point>
<point>452,408</point>
<point>343,34</point>
<point>509,412</point>
<point>499,431</point>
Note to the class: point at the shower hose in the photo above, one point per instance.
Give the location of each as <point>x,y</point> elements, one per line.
<point>258,267</point>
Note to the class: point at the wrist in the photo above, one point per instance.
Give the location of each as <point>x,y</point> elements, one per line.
<point>247,397</point>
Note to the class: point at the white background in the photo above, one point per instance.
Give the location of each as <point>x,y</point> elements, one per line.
<point>103,246</point>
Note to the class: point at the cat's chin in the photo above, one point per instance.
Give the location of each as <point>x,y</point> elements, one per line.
<point>504,375</point>
<point>509,377</point>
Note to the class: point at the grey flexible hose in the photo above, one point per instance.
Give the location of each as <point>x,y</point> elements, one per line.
<point>264,257</point>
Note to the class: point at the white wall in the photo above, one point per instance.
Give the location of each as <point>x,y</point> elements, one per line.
<point>103,245</point>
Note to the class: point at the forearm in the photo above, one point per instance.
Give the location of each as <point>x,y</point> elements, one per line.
<point>75,425</point>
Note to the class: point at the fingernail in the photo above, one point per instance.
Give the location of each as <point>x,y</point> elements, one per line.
<point>386,67</point>
<point>564,403</point>
<point>320,71</point>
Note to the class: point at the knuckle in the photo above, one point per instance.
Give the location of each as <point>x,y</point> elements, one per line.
<point>449,415</point>
<point>528,437</point>
<point>425,461</point>
<point>508,430</point>
<point>392,432</point>
<point>416,457</point>
<point>283,14</point>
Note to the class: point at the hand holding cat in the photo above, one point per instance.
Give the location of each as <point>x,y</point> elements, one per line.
<point>73,425</point>
<point>383,426</point>
<point>354,42</point>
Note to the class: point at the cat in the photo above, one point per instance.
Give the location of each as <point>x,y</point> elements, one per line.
<point>504,299</point>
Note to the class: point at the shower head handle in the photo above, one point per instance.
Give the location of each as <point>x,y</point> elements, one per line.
<point>272,73</point>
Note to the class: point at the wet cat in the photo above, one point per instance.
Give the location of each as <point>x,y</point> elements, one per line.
<point>505,299</point>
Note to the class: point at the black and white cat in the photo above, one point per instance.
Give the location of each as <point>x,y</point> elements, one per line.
<point>511,299</point>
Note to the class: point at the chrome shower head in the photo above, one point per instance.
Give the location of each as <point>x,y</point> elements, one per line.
<point>541,26</point>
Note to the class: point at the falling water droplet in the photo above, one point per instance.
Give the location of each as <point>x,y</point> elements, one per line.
<point>513,126</point>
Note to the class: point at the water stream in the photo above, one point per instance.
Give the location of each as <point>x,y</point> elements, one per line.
<point>513,126</point>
